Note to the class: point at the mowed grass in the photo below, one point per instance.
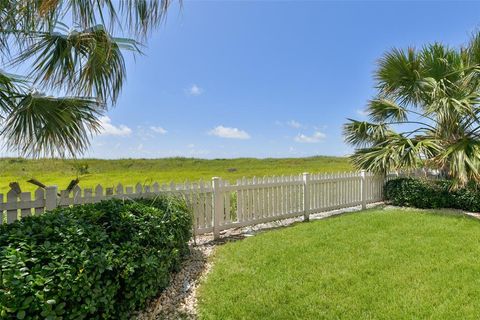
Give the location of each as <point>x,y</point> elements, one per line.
<point>377,264</point>
<point>131,171</point>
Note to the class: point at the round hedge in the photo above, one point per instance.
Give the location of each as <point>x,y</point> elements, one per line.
<point>96,261</point>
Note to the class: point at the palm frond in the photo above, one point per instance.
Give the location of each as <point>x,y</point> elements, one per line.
<point>143,15</point>
<point>399,76</point>
<point>88,63</point>
<point>11,87</point>
<point>363,133</point>
<point>384,110</point>
<point>441,63</point>
<point>43,125</point>
<point>472,51</point>
<point>462,158</point>
<point>396,152</point>
<point>136,16</point>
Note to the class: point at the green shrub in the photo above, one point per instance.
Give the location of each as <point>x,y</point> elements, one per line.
<point>421,193</point>
<point>467,199</point>
<point>98,261</point>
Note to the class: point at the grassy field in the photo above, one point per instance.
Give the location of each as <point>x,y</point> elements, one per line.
<point>131,171</point>
<point>378,264</point>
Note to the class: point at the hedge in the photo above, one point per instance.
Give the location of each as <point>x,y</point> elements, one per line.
<point>97,261</point>
<point>431,194</point>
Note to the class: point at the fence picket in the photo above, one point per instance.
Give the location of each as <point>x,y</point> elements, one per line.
<point>119,189</point>
<point>253,200</point>
<point>87,195</point>
<point>77,195</point>
<point>277,196</point>
<point>239,202</point>
<point>202,204</point>
<point>64,198</point>
<point>227,195</point>
<point>98,193</point>
<point>25,197</point>
<point>209,205</point>
<point>12,202</point>
<point>138,189</point>
<point>273,199</point>
<point>39,207</point>
<point>195,204</point>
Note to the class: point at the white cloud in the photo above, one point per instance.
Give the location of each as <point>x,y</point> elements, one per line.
<point>159,130</point>
<point>194,90</point>
<point>294,124</point>
<point>291,123</point>
<point>109,129</point>
<point>315,138</point>
<point>231,133</point>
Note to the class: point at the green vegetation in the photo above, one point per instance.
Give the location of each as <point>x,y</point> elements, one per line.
<point>428,194</point>
<point>131,171</point>
<point>98,261</point>
<point>377,264</point>
<point>426,113</point>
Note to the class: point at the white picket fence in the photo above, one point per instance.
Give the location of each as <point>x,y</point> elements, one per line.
<point>220,205</point>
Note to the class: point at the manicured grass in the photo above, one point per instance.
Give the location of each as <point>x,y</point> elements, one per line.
<point>377,264</point>
<point>130,171</point>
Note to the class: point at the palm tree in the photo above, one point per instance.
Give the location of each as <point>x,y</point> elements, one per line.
<point>74,68</point>
<point>426,113</point>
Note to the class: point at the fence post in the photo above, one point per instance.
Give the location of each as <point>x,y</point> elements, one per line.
<point>217,206</point>
<point>51,198</point>
<point>363,188</point>
<point>306,198</point>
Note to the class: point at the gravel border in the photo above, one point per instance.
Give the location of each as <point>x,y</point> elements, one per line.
<point>178,300</point>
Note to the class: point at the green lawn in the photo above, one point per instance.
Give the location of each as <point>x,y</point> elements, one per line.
<point>377,264</point>
<point>131,171</point>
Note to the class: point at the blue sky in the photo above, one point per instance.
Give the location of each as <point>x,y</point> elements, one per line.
<point>224,79</point>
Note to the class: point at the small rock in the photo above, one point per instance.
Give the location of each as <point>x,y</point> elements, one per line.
<point>186,286</point>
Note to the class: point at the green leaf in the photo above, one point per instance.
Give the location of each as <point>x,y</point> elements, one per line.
<point>21,314</point>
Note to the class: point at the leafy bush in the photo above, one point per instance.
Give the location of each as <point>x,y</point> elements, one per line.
<point>416,193</point>
<point>467,199</point>
<point>426,194</point>
<point>93,261</point>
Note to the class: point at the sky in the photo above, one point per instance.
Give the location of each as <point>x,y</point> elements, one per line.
<point>227,79</point>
